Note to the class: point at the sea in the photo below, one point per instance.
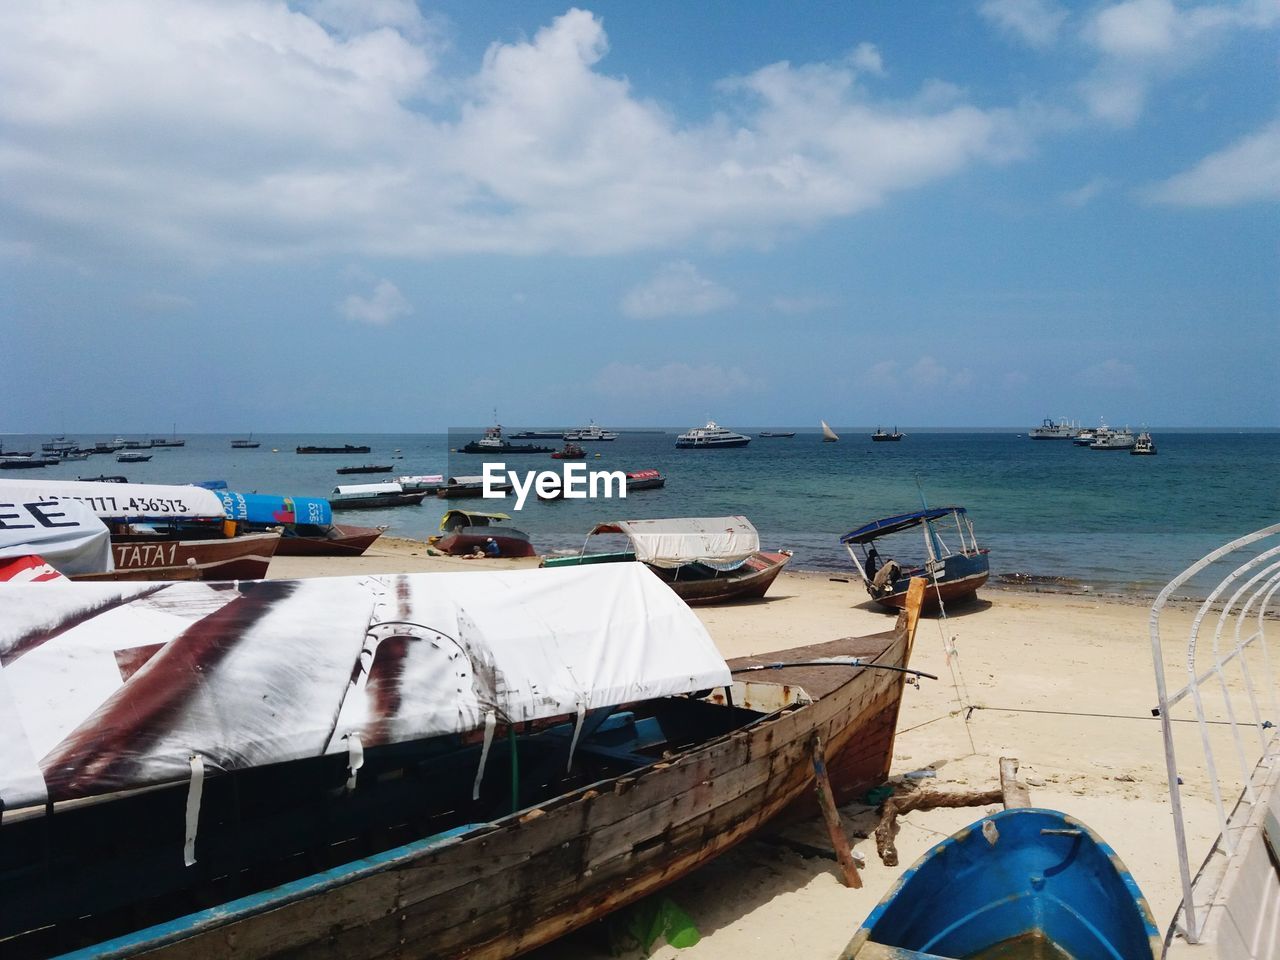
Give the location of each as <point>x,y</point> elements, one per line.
<point>1052,514</point>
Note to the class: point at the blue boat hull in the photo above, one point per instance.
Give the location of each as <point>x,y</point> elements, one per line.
<point>1022,883</point>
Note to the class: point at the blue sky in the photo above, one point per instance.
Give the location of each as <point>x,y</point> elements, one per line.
<point>382,216</point>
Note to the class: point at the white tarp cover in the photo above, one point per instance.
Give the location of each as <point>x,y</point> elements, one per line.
<point>123,501</point>
<point>108,686</point>
<point>66,533</point>
<point>365,489</point>
<point>679,540</point>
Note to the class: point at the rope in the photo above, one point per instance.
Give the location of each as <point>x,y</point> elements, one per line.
<point>923,800</point>
<point>953,663</point>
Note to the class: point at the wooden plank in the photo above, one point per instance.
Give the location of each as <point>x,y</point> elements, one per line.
<point>827,803</point>
<point>1015,794</point>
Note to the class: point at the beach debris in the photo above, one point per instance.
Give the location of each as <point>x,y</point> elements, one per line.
<point>1011,793</point>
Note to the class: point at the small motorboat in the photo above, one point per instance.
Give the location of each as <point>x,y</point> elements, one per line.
<point>570,451</point>
<point>645,480</point>
<point>1024,882</point>
<point>953,574</point>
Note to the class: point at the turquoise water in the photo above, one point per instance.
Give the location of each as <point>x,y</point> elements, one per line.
<point>1044,508</point>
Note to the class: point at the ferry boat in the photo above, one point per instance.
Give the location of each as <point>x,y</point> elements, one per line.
<point>1054,430</point>
<point>1108,439</point>
<point>712,435</point>
<point>1085,437</point>
<point>590,433</point>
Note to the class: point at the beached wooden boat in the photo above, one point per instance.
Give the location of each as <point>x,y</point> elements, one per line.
<point>953,574</point>
<point>466,531</point>
<point>1023,882</point>
<point>333,540</point>
<point>185,555</point>
<point>381,818</point>
<point>703,559</point>
<point>305,524</point>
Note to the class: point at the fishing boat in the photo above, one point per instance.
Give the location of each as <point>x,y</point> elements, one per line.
<point>570,451</point>
<point>493,443</point>
<point>828,435</point>
<point>1024,882</point>
<point>171,441</point>
<point>1143,445</point>
<point>368,468</point>
<point>346,448</point>
<point>305,524</point>
<point>466,531</point>
<point>590,434</point>
<point>369,496</point>
<point>883,436</point>
<point>247,443</point>
<point>132,457</point>
<point>1050,429</point>
<point>776,434</point>
<point>712,436</point>
<point>451,764</point>
<point>703,559</point>
<point>953,574</point>
<point>645,480</point>
<point>160,531</point>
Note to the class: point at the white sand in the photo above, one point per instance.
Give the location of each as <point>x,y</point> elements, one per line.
<point>1064,683</point>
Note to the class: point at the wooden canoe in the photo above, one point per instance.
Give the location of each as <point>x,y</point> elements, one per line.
<point>338,540</point>
<point>631,824</point>
<point>700,585</point>
<point>142,557</point>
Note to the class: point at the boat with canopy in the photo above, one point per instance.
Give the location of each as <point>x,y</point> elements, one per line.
<point>703,559</point>
<point>954,570</point>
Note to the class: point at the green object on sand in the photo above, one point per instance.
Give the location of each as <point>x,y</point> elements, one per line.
<point>877,795</point>
<point>658,918</point>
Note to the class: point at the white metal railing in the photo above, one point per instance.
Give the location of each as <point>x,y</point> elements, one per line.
<point>1244,595</point>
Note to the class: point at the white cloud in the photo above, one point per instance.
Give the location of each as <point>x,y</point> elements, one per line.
<point>1084,195</point>
<point>1248,171</point>
<point>702,382</point>
<point>383,305</point>
<point>676,290</point>
<point>1034,22</point>
<point>209,130</point>
<point>1142,42</point>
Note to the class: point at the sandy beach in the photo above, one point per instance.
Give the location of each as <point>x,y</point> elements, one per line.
<point>1062,682</point>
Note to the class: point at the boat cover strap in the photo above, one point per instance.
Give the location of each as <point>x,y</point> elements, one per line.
<point>195,790</point>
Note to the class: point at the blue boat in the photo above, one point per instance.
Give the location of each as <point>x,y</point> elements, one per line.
<point>1024,883</point>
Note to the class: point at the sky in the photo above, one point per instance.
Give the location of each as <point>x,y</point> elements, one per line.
<point>382,216</point>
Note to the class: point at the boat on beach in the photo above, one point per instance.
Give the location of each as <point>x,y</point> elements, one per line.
<point>884,436</point>
<point>1023,882</point>
<point>305,524</point>
<point>953,574</point>
<point>703,559</point>
<point>369,496</point>
<point>466,531</point>
<point>582,745</point>
<point>712,436</point>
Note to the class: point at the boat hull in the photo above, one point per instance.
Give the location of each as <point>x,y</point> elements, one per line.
<point>464,540</point>
<point>959,581</point>
<point>713,445</point>
<point>228,558</point>
<point>341,540</point>
<point>506,887</point>
<point>1025,877</point>
<point>751,580</point>
<point>404,499</point>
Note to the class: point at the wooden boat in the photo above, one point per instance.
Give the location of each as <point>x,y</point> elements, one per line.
<point>27,463</point>
<point>828,435</point>
<point>132,457</point>
<point>1023,882</point>
<point>645,480</point>
<point>703,559</point>
<point>466,531</point>
<point>332,540</point>
<point>954,575</point>
<point>381,835</point>
<point>368,468</point>
<point>247,443</point>
<point>776,435</point>
<point>882,436</point>
<point>467,487</point>
<point>346,448</point>
<point>368,496</point>
<point>159,531</point>
<point>187,555</point>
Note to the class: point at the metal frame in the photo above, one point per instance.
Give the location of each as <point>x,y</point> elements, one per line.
<point>1246,594</point>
